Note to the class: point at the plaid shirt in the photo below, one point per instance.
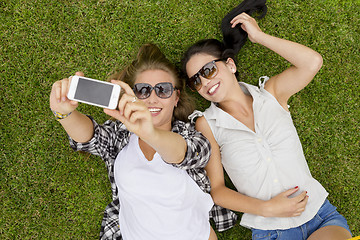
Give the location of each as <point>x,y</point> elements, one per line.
<point>111,137</point>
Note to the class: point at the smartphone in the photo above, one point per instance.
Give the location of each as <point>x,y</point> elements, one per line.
<point>94,92</point>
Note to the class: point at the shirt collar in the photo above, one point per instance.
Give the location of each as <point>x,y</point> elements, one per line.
<point>225,120</point>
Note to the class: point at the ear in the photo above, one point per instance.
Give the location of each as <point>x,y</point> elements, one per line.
<point>230,63</point>
<point>177,97</point>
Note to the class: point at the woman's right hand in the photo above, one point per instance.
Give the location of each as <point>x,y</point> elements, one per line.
<point>284,206</point>
<point>58,96</point>
<point>248,24</point>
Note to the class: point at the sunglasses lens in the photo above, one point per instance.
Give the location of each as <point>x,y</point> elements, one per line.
<point>164,90</point>
<point>209,70</point>
<point>142,90</point>
<point>194,82</point>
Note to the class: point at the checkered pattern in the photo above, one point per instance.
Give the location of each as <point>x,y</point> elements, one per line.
<point>111,137</point>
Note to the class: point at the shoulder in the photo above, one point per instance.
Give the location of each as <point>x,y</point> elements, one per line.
<point>202,124</point>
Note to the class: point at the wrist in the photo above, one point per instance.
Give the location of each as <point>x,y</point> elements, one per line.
<point>60,116</point>
<point>266,209</point>
<point>259,37</point>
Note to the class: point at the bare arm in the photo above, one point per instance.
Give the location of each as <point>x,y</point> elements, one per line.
<point>305,61</point>
<point>78,126</point>
<point>279,206</point>
<point>171,146</point>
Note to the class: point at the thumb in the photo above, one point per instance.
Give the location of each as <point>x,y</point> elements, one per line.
<point>74,103</point>
<point>81,74</point>
<point>115,114</point>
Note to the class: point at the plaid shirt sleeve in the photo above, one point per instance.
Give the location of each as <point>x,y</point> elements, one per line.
<point>108,140</point>
<point>198,147</point>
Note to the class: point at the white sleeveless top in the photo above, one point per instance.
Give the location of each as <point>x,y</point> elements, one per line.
<point>158,201</point>
<point>266,162</point>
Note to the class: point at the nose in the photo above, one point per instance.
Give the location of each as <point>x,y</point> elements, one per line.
<point>153,98</point>
<point>204,81</point>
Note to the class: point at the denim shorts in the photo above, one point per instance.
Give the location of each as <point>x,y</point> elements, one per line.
<point>326,216</point>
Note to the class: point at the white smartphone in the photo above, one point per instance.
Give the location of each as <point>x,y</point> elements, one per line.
<point>94,92</point>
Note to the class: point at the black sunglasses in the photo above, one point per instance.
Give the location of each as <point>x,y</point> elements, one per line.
<point>208,71</point>
<point>162,90</point>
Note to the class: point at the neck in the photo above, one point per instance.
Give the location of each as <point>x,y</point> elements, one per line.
<point>237,101</point>
<point>147,150</point>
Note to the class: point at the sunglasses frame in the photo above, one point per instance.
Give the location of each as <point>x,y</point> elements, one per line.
<point>194,82</point>
<point>154,88</point>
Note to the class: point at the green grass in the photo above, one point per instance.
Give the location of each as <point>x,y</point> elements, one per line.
<point>49,192</point>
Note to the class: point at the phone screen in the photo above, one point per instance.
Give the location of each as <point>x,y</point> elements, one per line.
<point>93,92</point>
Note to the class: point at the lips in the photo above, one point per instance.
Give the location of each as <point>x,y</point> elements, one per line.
<point>213,89</point>
<point>155,111</point>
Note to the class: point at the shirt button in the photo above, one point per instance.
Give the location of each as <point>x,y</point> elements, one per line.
<point>259,139</point>
<point>268,159</point>
<point>276,180</point>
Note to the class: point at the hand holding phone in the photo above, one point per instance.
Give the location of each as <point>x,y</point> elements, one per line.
<point>94,92</point>
<point>133,113</point>
<point>58,99</point>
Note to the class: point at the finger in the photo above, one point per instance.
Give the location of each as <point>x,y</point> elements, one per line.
<point>299,211</point>
<point>124,100</point>
<point>74,103</point>
<point>237,21</point>
<point>132,107</point>
<point>124,86</point>
<point>68,85</point>
<point>115,114</point>
<point>241,15</point>
<point>64,89</point>
<point>305,200</point>
<point>301,197</point>
<point>57,91</point>
<point>301,206</point>
<point>240,18</point>
<point>296,214</point>
<point>81,74</point>
<point>291,191</point>
<point>138,115</point>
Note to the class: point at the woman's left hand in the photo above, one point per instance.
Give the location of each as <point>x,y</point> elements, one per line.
<point>132,112</point>
<point>248,24</point>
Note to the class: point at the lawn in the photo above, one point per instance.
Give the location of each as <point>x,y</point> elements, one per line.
<point>48,191</point>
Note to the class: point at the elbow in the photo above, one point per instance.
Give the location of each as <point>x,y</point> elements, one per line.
<point>316,63</point>
<point>216,196</point>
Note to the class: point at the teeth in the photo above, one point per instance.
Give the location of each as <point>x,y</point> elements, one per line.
<point>213,88</point>
<point>154,109</point>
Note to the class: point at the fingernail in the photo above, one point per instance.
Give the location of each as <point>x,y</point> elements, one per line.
<point>296,187</point>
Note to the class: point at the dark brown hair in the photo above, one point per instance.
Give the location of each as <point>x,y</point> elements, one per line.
<point>233,38</point>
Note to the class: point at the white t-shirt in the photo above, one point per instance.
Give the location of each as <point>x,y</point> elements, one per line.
<point>158,201</point>
<point>266,162</point>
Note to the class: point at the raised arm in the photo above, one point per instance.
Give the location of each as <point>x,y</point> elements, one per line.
<point>305,61</point>
<point>137,118</point>
<point>279,206</point>
<point>78,126</point>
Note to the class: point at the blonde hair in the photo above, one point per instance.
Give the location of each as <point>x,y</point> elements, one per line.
<point>150,57</point>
